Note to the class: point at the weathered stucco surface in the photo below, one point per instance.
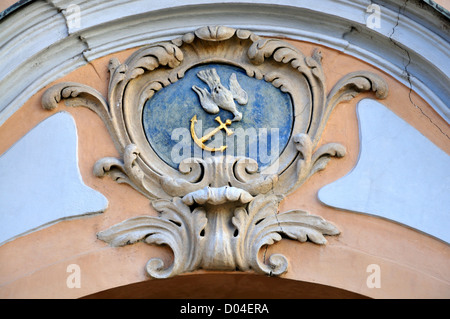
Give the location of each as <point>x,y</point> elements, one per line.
<point>413,264</point>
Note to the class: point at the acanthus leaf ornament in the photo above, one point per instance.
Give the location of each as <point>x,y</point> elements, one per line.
<point>217,212</point>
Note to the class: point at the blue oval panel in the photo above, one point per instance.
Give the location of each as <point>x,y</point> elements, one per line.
<point>261,134</point>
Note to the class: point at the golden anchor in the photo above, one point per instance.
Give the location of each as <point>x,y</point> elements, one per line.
<point>200,141</point>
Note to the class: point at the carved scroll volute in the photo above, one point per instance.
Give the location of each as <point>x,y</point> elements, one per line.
<point>154,67</point>
<point>318,111</point>
<point>217,212</point>
<point>309,67</point>
<point>126,80</point>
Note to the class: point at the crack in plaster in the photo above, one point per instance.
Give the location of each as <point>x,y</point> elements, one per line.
<point>281,232</point>
<point>406,71</point>
<point>85,58</point>
<point>80,37</point>
<point>264,258</point>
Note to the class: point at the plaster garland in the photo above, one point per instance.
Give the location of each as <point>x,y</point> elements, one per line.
<point>216,212</point>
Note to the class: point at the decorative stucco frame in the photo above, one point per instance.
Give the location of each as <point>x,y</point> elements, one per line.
<point>217,213</point>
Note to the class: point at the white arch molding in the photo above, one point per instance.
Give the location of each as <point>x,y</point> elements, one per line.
<point>411,44</point>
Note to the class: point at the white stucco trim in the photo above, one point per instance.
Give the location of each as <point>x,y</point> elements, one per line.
<point>400,175</point>
<point>40,44</point>
<point>41,183</point>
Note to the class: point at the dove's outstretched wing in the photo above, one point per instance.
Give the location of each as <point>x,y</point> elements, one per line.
<point>205,100</point>
<point>210,77</point>
<point>238,93</point>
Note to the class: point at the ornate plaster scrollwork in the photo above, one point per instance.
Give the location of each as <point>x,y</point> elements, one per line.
<point>217,212</point>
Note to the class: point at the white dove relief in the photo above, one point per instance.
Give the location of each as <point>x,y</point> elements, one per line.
<point>219,96</point>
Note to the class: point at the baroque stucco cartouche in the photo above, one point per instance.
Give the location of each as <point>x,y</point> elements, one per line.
<point>413,264</point>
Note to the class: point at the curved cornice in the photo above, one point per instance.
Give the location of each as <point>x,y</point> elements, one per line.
<point>39,45</point>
